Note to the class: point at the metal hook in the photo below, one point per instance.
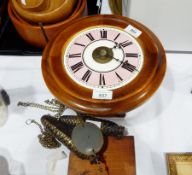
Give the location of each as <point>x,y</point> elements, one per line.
<point>30,121</point>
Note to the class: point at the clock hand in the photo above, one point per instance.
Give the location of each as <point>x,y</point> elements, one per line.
<point>125,64</point>
<point>116,59</point>
<point>110,55</point>
<point>116,46</point>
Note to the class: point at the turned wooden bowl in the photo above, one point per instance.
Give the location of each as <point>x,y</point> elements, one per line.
<point>33,35</point>
<point>33,5</point>
<point>45,11</point>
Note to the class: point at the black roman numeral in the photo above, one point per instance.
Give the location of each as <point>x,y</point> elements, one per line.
<point>116,36</point>
<point>119,77</point>
<point>90,36</point>
<point>79,44</point>
<point>131,55</point>
<point>103,33</point>
<point>128,66</point>
<point>77,67</point>
<point>125,43</point>
<point>75,55</point>
<point>87,75</point>
<point>101,80</point>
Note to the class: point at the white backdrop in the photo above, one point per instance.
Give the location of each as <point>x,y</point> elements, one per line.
<point>170,20</point>
<point>161,125</point>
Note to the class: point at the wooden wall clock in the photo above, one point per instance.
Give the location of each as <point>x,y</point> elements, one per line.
<point>104,65</point>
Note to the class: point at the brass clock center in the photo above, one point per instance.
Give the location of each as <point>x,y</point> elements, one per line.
<point>102,55</point>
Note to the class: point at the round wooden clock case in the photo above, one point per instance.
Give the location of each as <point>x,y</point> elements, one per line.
<point>104,65</point>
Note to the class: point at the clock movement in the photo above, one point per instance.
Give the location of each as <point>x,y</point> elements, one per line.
<point>104,65</point>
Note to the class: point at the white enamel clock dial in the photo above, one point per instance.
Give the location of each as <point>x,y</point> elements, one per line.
<point>103,57</point>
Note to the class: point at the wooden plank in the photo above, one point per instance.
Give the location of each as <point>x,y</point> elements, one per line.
<point>119,155</point>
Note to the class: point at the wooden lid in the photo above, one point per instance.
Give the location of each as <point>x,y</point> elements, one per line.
<point>32,33</point>
<point>124,98</point>
<point>45,11</point>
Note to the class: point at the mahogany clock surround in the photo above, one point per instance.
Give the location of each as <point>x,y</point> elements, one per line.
<point>125,97</point>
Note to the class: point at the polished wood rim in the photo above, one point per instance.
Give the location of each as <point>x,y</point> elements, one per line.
<point>45,11</point>
<point>124,99</point>
<point>32,33</point>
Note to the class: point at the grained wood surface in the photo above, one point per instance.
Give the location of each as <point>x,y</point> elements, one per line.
<point>119,155</point>
<point>32,33</point>
<point>44,11</point>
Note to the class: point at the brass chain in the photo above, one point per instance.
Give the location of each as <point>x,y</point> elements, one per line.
<point>53,106</point>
